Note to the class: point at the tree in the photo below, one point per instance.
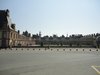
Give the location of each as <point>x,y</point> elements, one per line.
<point>41,44</point>
<point>55,36</point>
<point>78,44</point>
<point>27,34</point>
<point>98,41</point>
<point>18,31</point>
<point>70,44</point>
<point>61,44</point>
<point>62,36</point>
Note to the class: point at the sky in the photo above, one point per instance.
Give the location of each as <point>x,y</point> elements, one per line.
<point>60,17</point>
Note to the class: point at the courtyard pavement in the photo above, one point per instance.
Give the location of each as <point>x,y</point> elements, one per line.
<point>53,61</point>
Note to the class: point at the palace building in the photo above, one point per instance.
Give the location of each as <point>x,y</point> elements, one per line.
<point>9,37</point>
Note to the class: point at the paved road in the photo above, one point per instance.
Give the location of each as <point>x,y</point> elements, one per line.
<point>69,61</point>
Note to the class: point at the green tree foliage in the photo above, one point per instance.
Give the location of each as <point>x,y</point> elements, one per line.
<point>26,34</point>
<point>41,44</point>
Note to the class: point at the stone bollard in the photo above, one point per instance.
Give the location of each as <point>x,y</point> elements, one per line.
<point>83,49</point>
<point>70,49</point>
<point>16,48</point>
<point>63,49</point>
<point>51,49</point>
<point>90,49</point>
<point>57,49</point>
<point>45,49</point>
<point>39,49</point>
<point>76,49</point>
<point>97,50</point>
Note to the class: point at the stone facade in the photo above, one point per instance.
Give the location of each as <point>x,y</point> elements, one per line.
<point>9,37</point>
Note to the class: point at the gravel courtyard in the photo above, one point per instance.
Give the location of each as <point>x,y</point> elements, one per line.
<point>53,61</point>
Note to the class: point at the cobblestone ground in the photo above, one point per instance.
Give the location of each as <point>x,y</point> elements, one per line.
<point>53,61</point>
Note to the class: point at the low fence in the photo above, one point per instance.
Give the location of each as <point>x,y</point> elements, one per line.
<point>48,46</point>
